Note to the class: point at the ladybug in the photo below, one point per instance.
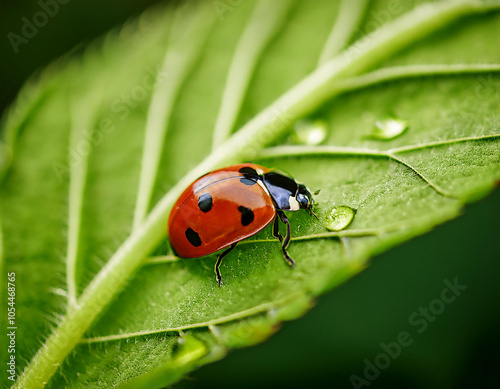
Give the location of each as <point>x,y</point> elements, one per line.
<point>228,205</point>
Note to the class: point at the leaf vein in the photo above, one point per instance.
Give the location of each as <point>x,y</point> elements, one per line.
<point>286,151</point>
<point>411,71</point>
<point>265,21</point>
<point>348,18</point>
<point>187,37</point>
<point>232,317</point>
<point>81,128</point>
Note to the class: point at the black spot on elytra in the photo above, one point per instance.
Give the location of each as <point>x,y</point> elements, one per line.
<point>205,202</point>
<point>247,215</point>
<point>193,237</point>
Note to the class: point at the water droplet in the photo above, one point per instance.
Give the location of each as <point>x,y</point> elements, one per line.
<point>340,217</point>
<point>310,132</point>
<point>388,129</point>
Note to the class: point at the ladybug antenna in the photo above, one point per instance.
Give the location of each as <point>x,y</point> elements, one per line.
<point>311,212</point>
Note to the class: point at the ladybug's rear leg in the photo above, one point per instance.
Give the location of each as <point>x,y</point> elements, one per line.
<point>286,241</point>
<point>219,261</point>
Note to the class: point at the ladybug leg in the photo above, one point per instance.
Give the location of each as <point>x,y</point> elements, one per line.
<point>276,229</point>
<point>219,261</point>
<point>286,241</point>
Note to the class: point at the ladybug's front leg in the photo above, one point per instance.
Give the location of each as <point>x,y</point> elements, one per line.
<point>285,241</point>
<point>219,261</point>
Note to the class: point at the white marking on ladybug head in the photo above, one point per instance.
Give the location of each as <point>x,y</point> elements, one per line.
<point>294,204</point>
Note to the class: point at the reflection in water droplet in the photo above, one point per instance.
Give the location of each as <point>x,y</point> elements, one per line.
<point>388,129</point>
<point>310,132</point>
<point>339,218</point>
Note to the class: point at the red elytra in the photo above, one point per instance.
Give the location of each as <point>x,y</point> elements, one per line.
<point>231,204</point>
<point>220,226</point>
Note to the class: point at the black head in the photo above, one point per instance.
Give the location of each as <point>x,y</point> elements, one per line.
<point>304,197</point>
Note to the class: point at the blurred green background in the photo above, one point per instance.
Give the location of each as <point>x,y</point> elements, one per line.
<point>74,25</point>
<point>459,349</point>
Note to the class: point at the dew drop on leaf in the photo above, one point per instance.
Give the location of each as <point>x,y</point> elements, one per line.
<point>310,132</point>
<point>339,218</point>
<point>388,129</point>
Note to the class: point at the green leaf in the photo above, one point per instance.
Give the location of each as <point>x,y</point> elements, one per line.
<point>99,148</point>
